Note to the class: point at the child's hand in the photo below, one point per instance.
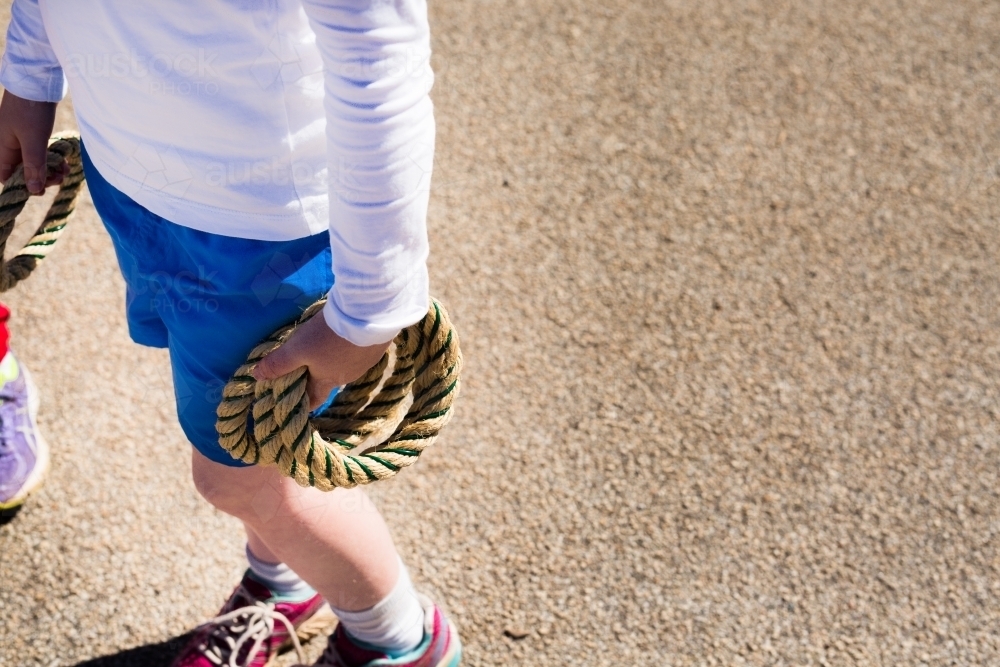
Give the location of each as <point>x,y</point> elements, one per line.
<point>25,128</point>
<point>332,361</point>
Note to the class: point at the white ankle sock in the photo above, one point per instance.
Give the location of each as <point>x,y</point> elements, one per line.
<point>279,579</point>
<point>394,625</point>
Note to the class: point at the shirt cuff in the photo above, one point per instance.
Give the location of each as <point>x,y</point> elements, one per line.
<point>38,84</point>
<point>364,333</point>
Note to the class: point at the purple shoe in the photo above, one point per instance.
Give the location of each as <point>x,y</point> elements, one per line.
<point>24,456</point>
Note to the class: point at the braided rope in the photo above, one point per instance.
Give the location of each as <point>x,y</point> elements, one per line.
<point>324,451</point>
<point>15,195</point>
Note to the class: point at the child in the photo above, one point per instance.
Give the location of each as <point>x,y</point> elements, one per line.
<point>24,456</point>
<point>236,151</point>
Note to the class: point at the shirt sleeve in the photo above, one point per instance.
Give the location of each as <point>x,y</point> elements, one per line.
<point>380,151</point>
<point>29,68</point>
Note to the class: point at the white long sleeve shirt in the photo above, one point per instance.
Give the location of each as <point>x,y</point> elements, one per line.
<point>261,119</point>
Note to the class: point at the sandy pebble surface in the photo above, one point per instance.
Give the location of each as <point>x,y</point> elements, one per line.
<point>726,275</point>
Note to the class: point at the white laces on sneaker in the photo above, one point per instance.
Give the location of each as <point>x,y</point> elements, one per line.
<point>234,629</point>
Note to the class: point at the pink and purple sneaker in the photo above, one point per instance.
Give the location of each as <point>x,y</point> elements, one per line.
<point>24,455</point>
<point>254,627</point>
<point>439,648</point>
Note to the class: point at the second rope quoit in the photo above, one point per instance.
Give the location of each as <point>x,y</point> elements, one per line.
<point>269,423</point>
<point>15,195</point>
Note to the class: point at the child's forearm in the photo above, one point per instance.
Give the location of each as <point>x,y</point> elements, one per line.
<point>380,138</point>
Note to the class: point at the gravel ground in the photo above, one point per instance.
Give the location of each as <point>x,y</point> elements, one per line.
<point>726,276</point>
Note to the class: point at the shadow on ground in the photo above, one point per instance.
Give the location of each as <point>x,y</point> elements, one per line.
<point>150,655</point>
<point>6,516</point>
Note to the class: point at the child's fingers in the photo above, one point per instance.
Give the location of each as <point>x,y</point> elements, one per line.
<point>57,177</point>
<point>9,159</point>
<point>34,151</point>
<point>274,365</point>
<point>281,362</point>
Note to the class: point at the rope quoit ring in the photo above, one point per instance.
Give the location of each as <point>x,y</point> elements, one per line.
<point>268,423</point>
<point>15,195</point>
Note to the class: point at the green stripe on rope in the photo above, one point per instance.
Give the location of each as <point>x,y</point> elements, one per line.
<point>400,450</point>
<point>371,475</point>
<point>391,466</point>
<point>58,216</point>
<point>298,441</point>
<point>15,206</point>
<point>437,398</point>
<point>386,403</point>
<point>295,385</point>
<point>433,415</point>
<point>243,451</point>
<point>309,460</point>
<point>437,355</point>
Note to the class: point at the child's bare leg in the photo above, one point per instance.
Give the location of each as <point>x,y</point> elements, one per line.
<point>257,546</point>
<point>336,541</point>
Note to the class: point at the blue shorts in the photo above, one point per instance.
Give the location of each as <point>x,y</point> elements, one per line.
<point>207,298</point>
